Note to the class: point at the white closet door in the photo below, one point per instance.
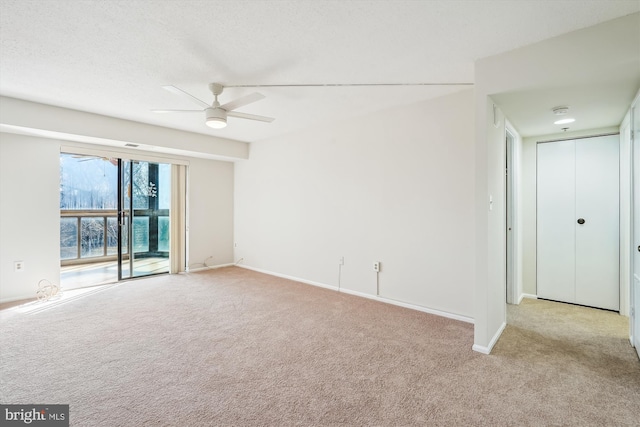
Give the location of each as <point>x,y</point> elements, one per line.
<point>556,219</point>
<point>635,290</point>
<point>578,221</point>
<point>597,240</point>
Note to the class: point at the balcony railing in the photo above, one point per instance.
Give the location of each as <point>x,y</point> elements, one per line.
<point>88,236</point>
<point>92,235</point>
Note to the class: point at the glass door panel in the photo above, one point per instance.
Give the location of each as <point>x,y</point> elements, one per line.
<point>144,213</point>
<point>88,220</point>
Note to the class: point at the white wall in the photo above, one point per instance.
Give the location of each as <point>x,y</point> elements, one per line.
<point>395,187</point>
<point>490,284</point>
<point>210,207</point>
<point>30,214</point>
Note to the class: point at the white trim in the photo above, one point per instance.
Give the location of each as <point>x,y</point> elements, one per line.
<point>368,296</point>
<point>481,349</point>
<point>209,267</point>
<point>32,296</point>
<point>530,296</point>
<point>295,279</point>
<point>494,340</point>
<point>410,306</point>
<point>516,208</point>
<point>634,318</point>
<point>569,136</point>
<point>625,215</point>
<point>510,214</point>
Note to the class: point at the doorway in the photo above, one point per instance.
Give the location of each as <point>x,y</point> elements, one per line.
<point>114,219</point>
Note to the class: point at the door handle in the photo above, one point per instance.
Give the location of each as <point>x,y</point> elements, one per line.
<point>581,221</point>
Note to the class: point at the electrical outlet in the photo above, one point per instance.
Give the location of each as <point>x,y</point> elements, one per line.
<point>18,266</point>
<point>341,260</point>
<point>376,266</point>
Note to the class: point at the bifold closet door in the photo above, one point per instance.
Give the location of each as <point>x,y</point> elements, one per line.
<point>556,219</point>
<point>598,239</point>
<point>578,221</point>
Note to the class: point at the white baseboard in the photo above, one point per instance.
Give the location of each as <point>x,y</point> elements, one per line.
<point>209,267</point>
<point>19,298</point>
<point>494,340</point>
<point>409,305</point>
<point>285,276</point>
<point>364,295</point>
<point>530,296</point>
<point>481,349</point>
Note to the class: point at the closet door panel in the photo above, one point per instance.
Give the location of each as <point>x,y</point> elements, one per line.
<point>597,239</point>
<point>556,221</point>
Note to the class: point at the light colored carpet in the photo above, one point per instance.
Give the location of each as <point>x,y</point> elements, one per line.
<point>232,347</point>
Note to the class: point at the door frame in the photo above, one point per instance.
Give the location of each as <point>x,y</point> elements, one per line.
<point>512,215</point>
<point>634,276</point>
<point>179,205</point>
<point>626,216</point>
<point>512,296</point>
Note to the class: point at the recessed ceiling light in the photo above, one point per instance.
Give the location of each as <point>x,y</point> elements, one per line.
<point>564,121</point>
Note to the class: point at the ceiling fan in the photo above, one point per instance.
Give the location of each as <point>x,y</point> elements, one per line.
<point>216,114</point>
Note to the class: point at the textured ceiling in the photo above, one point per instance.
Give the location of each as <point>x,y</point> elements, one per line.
<point>112,57</point>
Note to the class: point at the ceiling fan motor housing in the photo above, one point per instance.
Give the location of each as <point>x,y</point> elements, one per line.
<point>216,117</point>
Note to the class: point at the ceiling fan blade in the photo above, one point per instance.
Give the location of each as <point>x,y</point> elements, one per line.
<point>180,92</point>
<point>177,111</point>
<point>242,101</point>
<point>250,116</point>
<point>88,159</point>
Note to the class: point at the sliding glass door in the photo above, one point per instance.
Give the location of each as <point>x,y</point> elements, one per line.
<point>114,219</point>
<point>143,212</point>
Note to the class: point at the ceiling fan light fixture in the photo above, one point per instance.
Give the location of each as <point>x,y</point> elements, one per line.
<point>564,121</point>
<point>216,118</point>
<point>216,123</point>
